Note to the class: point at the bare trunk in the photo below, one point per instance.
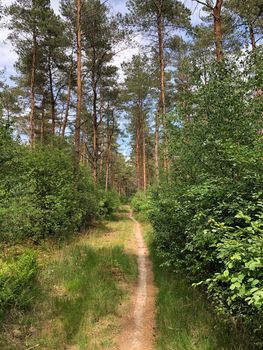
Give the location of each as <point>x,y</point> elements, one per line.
<point>102,151</point>
<point>110,132</point>
<point>42,128</point>
<point>144,159</point>
<point>138,173</point>
<point>32,95</point>
<point>156,148</point>
<point>162,102</point>
<point>65,122</point>
<point>95,134</point>
<point>107,177</point>
<point>52,99</point>
<point>218,30</point>
<point>79,83</point>
<point>252,37</point>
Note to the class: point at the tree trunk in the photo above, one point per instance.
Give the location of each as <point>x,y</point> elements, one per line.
<point>252,37</point>
<point>79,83</point>
<point>95,132</point>
<point>218,30</point>
<point>138,172</point>
<point>162,102</point>
<point>144,159</point>
<point>42,128</point>
<point>110,132</point>
<point>52,99</point>
<point>156,148</point>
<point>68,101</point>
<point>32,95</point>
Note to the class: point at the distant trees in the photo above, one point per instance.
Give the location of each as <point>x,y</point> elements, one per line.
<point>159,18</point>
<point>137,98</point>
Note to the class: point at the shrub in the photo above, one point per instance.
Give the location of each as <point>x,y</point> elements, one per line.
<point>39,196</point>
<point>214,231</point>
<point>139,202</point>
<point>109,202</point>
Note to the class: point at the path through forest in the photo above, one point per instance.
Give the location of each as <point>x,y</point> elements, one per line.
<point>138,326</point>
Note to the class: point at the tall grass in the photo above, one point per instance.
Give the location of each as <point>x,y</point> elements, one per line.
<point>82,286</point>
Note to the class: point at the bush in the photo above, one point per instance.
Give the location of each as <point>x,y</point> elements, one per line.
<point>17,279</point>
<point>139,202</point>
<point>109,202</point>
<point>39,196</point>
<point>214,231</point>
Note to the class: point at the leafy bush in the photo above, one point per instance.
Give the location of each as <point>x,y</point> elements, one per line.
<point>17,281</point>
<point>39,196</point>
<point>109,202</point>
<point>139,202</point>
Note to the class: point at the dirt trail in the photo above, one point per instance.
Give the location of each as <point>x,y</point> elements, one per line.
<point>138,326</point>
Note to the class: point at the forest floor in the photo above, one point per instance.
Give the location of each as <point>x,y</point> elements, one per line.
<point>97,292</point>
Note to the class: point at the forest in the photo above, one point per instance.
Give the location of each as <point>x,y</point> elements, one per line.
<point>131,116</point>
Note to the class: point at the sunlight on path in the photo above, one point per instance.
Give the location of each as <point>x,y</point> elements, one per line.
<point>138,330</point>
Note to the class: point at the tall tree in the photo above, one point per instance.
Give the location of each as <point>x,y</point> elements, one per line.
<point>79,79</point>
<point>101,33</point>
<point>158,17</point>
<point>138,86</point>
<point>216,11</point>
<point>28,19</point>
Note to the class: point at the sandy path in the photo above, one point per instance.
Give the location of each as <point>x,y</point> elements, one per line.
<point>138,326</point>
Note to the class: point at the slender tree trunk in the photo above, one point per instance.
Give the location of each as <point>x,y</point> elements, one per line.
<point>252,37</point>
<point>52,99</point>
<point>162,102</point>
<point>138,172</point>
<point>32,94</point>
<point>42,128</point>
<point>79,83</point>
<point>110,132</point>
<point>156,147</point>
<point>144,159</point>
<point>218,30</point>
<point>65,122</point>
<point>95,132</point>
<point>102,151</point>
<point>108,160</point>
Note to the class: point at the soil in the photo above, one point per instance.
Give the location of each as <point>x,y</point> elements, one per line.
<point>138,324</point>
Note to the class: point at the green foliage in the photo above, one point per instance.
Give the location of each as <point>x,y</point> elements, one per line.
<point>109,203</point>
<point>139,202</point>
<point>237,286</point>
<point>39,197</point>
<point>209,221</point>
<point>17,281</point>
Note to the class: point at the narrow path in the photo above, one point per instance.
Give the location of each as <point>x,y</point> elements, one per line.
<point>138,325</point>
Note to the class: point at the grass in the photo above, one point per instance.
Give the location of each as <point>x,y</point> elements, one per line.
<point>80,290</point>
<point>185,319</point>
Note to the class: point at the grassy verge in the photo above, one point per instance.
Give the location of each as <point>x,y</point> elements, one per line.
<point>80,289</point>
<point>185,319</point>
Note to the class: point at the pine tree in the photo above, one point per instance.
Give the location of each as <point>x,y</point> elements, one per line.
<point>158,17</point>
